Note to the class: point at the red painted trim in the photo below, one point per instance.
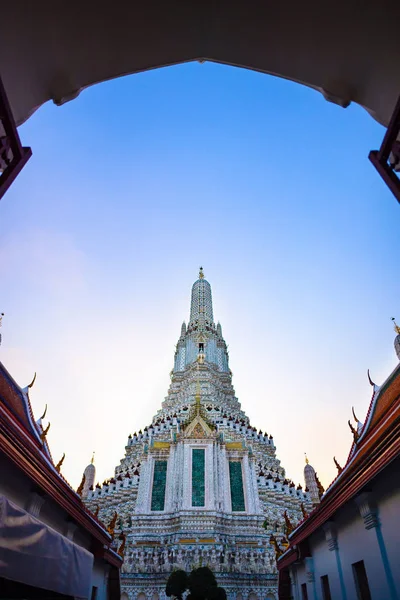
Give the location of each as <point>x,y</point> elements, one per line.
<point>113,558</point>
<point>290,556</point>
<point>378,451</point>
<point>29,459</point>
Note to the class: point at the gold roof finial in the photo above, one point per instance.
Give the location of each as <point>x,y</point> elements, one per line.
<point>44,433</point>
<point>31,385</point>
<point>60,462</point>
<point>92,461</point>
<point>201,274</point>
<point>396,327</point>
<point>79,491</point>
<point>305,454</point>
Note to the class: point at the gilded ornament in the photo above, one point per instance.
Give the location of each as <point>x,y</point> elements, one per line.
<point>44,433</point>
<point>60,462</point>
<point>82,483</point>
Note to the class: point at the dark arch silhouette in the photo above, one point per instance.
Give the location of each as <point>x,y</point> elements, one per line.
<point>348,51</point>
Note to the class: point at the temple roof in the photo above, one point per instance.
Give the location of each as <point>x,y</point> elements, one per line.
<point>346,53</point>
<point>377,445</point>
<point>23,443</point>
<point>16,399</point>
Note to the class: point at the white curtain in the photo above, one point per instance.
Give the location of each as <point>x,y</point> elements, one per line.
<point>34,554</point>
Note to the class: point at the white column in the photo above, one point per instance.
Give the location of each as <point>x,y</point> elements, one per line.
<point>227,483</point>
<point>179,469</point>
<point>187,474</point>
<point>170,485</point>
<point>209,475</point>
<point>256,497</point>
<point>143,503</point>
<point>248,485</point>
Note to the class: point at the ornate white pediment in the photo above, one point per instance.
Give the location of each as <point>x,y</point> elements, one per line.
<point>198,429</point>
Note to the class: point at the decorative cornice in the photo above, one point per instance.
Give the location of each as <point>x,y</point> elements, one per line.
<point>331,535</point>
<point>34,503</point>
<point>368,509</point>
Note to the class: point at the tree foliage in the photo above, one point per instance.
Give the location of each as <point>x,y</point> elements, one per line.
<point>177,584</point>
<point>201,584</point>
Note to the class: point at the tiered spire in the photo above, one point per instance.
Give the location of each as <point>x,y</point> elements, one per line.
<point>201,309</point>
<point>397,338</point>
<point>310,478</point>
<point>201,338</point>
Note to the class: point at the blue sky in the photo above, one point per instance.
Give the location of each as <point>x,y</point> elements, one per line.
<point>138,182</point>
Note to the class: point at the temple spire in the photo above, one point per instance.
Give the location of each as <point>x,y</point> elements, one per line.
<point>201,309</point>
<point>310,478</point>
<point>397,338</point>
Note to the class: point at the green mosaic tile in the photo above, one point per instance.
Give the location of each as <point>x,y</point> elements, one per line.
<point>159,481</point>
<point>198,477</point>
<point>236,481</point>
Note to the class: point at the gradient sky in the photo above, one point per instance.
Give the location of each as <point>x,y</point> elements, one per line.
<point>141,180</point>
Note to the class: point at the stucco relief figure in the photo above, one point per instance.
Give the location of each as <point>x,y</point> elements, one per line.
<point>179,558</point>
<point>142,564</point>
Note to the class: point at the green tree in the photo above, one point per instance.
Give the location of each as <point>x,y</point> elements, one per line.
<point>201,583</point>
<point>177,584</point>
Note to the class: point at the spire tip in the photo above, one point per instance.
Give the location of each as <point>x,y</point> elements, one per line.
<point>396,327</point>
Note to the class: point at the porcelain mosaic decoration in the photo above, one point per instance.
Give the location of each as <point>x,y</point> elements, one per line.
<point>200,485</point>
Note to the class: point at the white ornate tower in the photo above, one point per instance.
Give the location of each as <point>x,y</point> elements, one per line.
<point>90,476</point>
<point>310,479</point>
<point>200,485</point>
<point>397,339</point>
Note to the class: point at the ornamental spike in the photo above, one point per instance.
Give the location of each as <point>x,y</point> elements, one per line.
<point>111,525</point>
<point>121,549</point>
<point>303,510</point>
<point>60,462</point>
<point>396,327</point>
<point>354,415</point>
<point>44,433</point>
<point>31,384</point>
<point>82,483</point>
<point>44,414</point>
<point>339,468</point>
<point>370,380</point>
<point>354,432</point>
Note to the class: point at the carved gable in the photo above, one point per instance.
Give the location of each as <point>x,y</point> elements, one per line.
<point>198,428</point>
